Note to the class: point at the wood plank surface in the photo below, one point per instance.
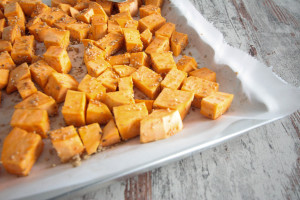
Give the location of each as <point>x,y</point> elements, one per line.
<point>261,164</point>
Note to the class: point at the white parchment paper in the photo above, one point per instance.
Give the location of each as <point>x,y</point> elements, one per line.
<point>260,97</point>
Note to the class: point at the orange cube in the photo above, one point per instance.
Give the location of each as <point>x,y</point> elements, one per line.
<point>97,66</point>
<point>174,79</point>
<point>64,21</point>
<point>20,151</point>
<point>31,120</point>
<point>123,15</point>
<point>78,30</point>
<point>163,62</point>
<point>139,59</point>
<point>99,18</point>
<point>204,73</point>
<point>166,30</point>
<point>52,16</point>
<point>174,100</point>
<point>40,72</point>
<point>149,9</point>
<point>215,105</point>
<point>106,5</point>
<point>111,43</point>
<point>81,5</point>
<point>124,23</point>
<point>157,3</point>
<point>36,28</point>
<point>5,46</point>
<point>98,30</point>
<point>74,108</point>
<point>13,9</point>
<point>55,37</point>
<point>28,6</point>
<point>74,12</point>
<point>178,42</point>
<point>4,75</point>
<point>98,10</point>
<point>126,84</point>
<point>58,59</point>
<point>92,88</point>
<point>158,45</point>
<point>40,8</point>
<point>187,64</point>
<point>2,25</point>
<point>128,119</point>
<point>147,81</point>
<point>67,143</point>
<point>132,40</point>
<point>26,88</point>
<point>152,22</point>
<point>58,84</point>
<point>124,70</point>
<point>90,136</point>
<point>39,101</point>
<point>19,73</point>
<point>65,7</point>
<point>85,15</point>
<point>130,5</point>
<point>23,49</point>
<point>119,98</point>
<point>121,59</point>
<point>113,26</point>
<point>109,79</point>
<point>148,103</point>
<point>98,112</point>
<point>20,22</point>
<point>146,37</point>
<point>110,135</point>
<point>10,33</point>
<point>92,52</point>
<point>200,87</point>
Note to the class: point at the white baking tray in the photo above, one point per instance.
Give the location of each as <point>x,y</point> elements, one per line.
<point>260,97</point>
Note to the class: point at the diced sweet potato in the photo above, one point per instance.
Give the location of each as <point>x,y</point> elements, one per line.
<point>19,73</point>
<point>124,23</point>
<point>130,5</point>
<point>98,30</point>
<point>106,5</point>
<point>178,42</point>
<point>90,136</point>
<point>26,87</point>
<point>5,46</point>
<point>147,10</point>
<point>52,16</point>
<point>147,81</point>
<point>113,26</point>
<point>65,7</point>
<point>204,73</point>
<point>187,64</point>
<point>13,9</point>
<point>121,59</point>
<point>110,135</point>
<point>146,37</point>
<point>20,22</point>
<point>158,45</point>
<point>97,66</point>
<point>55,37</point>
<point>58,58</point>
<point>92,52</point>
<point>10,33</point>
<point>92,88</point>
<point>4,75</point>
<point>119,98</point>
<point>122,15</point>
<point>58,84</point>
<point>152,22</point>
<point>85,15</point>
<point>163,62</point>
<point>124,70</point>
<point>55,3</point>
<point>67,143</point>
<point>81,5</point>
<point>74,12</point>
<point>39,101</point>
<point>40,8</point>
<point>20,151</point>
<point>158,3</point>
<point>36,28</point>
<point>2,25</point>
<point>132,40</point>
<point>160,124</point>
<point>166,30</point>
<point>200,87</point>
<point>28,6</point>
<point>174,79</point>
<point>23,49</point>
<point>98,18</point>
<point>215,105</point>
<point>148,103</point>
<point>111,43</point>
<point>97,112</point>
<point>64,21</point>
<point>128,119</point>
<point>74,108</point>
<point>126,84</point>
<point>139,59</point>
<point>40,72</point>
<point>98,10</point>
<point>31,120</point>
<point>174,100</point>
<point>78,30</point>
<point>109,79</point>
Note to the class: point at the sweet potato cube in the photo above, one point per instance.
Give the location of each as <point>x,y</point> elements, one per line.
<point>98,10</point>
<point>78,30</point>
<point>147,10</point>
<point>97,66</point>
<point>98,18</point>
<point>55,37</point>
<point>85,15</point>
<point>109,79</point>
<point>40,72</point>
<point>174,100</point>
<point>121,59</point>
<point>98,30</point>
<point>20,151</point>
<point>215,105</point>
<point>152,22</point>
<point>92,52</point>
<point>163,62</point>
<point>64,21</point>
<point>58,84</point>
<point>74,12</point>
<point>28,6</point>
<point>139,59</point>
<point>65,7</point>
<point>146,37</point>
<point>39,101</point>
<point>106,5</point>
<point>51,17</point>
<point>166,30</point>
<point>58,59</point>
<point>111,43</point>
<point>132,40</point>
<point>130,5</point>
<point>147,81</point>
<point>67,143</point>
<point>23,49</point>
<point>40,8</point>
<point>119,98</point>
<point>124,23</point>
<point>204,73</point>
<point>90,136</point>
<point>74,108</point>
<point>31,120</point>
<point>122,15</point>
<point>178,42</point>
<point>19,73</point>
<point>92,88</point>
<point>113,26</point>
<point>124,70</point>
<point>81,5</point>
<point>26,88</point>
<point>158,45</point>
<point>87,41</point>
<point>4,75</point>
<point>128,119</point>
<point>20,22</point>
<point>13,9</point>
<point>110,135</point>
<point>55,3</point>
<point>148,103</point>
<point>157,3</point>
<point>187,64</point>
<point>200,87</point>
<point>126,84</point>
<point>36,28</point>
<point>5,46</point>
<point>174,79</point>
<point>2,25</point>
<point>160,124</point>
<point>10,33</point>
<point>97,112</point>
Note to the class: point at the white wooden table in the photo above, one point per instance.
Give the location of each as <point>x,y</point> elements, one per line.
<point>261,164</point>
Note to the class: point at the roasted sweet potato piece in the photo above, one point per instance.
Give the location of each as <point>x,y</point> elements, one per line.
<point>106,5</point>
<point>187,64</point>
<point>157,3</point>
<point>55,37</point>
<point>163,62</point>
<point>118,98</point>
<point>78,31</point>
<point>40,72</point>
<point>174,79</point>
<point>124,70</point>
<point>58,58</point>
<point>178,42</point>
<point>166,30</point>
<point>90,136</point>
<point>111,43</point>
<point>152,22</point>
<point>10,33</point>
<point>132,40</point>
<point>26,88</point>
<point>204,73</point>
<point>4,75</point>
<point>139,59</point>
<point>121,59</point>
<point>158,45</point>
<point>149,9</point>
<point>109,79</point>
<point>130,5</point>
<point>126,84</point>
<point>110,135</point>
<point>92,88</point>
<point>148,103</point>
<point>23,49</point>
<point>19,73</point>
<point>5,46</point>
<point>98,112</point>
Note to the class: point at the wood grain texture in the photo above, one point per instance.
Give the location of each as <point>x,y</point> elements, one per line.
<point>261,164</point>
